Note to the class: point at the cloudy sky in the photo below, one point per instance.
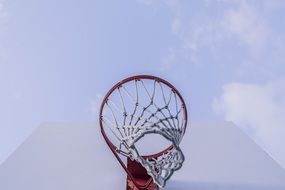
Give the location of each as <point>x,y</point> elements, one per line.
<point>59,57</point>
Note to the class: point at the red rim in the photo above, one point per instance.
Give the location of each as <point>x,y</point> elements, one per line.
<point>110,144</point>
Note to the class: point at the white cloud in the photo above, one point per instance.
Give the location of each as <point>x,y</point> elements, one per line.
<point>240,22</point>
<point>259,110</point>
<point>247,24</point>
<point>221,23</point>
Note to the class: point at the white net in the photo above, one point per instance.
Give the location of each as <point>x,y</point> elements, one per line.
<point>141,107</point>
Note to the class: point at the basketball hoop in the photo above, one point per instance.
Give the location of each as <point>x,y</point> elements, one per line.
<point>138,106</point>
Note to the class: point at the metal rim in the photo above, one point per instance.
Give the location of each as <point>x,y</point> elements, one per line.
<point>110,144</point>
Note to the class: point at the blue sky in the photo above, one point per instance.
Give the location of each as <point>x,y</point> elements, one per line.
<point>59,57</point>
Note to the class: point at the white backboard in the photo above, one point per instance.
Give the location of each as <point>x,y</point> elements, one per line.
<point>75,156</point>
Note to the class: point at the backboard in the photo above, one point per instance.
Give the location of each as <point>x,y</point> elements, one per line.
<point>74,156</point>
